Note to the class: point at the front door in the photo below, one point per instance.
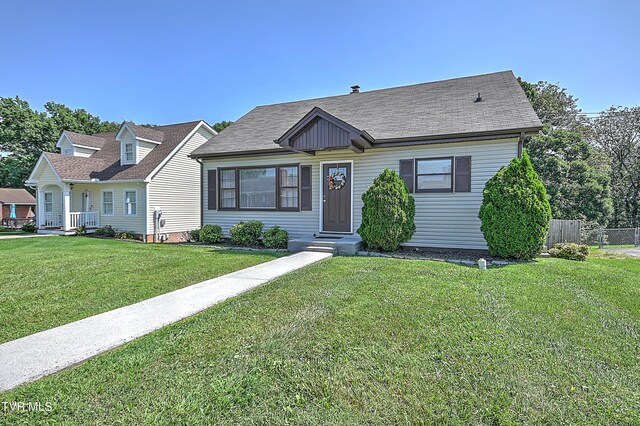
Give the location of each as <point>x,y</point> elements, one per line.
<point>87,204</point>
<point>336,197</point>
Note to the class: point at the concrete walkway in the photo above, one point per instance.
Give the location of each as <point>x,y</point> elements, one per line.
<point>32,357</point>
<point>10,237</point>
<point>628,251</point>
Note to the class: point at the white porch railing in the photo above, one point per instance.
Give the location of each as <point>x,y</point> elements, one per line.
<point>87,219</point>
<point>52,220</point>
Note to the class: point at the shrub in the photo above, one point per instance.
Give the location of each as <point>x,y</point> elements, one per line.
<point>193,235</point>
<point>569,251</point>
<point>515,211</point>
<point>246,233</point>
<point>275,237</point>
<point>125,235</point>
<point>81,230</point>
<point>387,213</point>
<point>28,227</point>
<point>210,234</point>
<point>105,231</point>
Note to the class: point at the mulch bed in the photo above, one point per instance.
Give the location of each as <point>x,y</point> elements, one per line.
<point>459,256</point>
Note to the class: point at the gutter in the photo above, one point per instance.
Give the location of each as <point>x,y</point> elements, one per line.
<point>103,181</point>
<point>390,143</point>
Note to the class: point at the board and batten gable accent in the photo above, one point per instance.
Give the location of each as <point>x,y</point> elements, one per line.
<point>176,189</point>
<point>321,134</point>
<point>446,220</point>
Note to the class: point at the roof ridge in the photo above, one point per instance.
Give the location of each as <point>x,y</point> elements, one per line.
<point>426,83</point>
<point>82,134</point>
<point>174,124</point>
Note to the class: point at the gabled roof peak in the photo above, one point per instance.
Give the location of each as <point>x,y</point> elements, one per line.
<point>141,132</point>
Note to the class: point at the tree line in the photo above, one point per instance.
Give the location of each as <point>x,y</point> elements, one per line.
<point>25,133</point>
<point>589,165</point>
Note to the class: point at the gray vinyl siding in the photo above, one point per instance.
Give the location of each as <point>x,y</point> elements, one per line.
<point>448,220</point>
<point>175,189</point>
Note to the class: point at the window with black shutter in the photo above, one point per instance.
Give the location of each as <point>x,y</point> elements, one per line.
<point>305,188</point>
<point>212,186</point>
<point>406,173</point>
<point>463,174</point>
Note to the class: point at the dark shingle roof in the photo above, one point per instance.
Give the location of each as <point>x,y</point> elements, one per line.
<point>92,141</point>
<point>74,168</point>
<point>16,196</point>
<point>105,164</point>
<point>145,132</point>
<point>427,110</point>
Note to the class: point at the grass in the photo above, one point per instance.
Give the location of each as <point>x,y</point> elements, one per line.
<point>50,281</point>
<point>381,341</point>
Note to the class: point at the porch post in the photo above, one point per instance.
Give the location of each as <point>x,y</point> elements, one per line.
<point>40,207</point>
<point>66,210</point>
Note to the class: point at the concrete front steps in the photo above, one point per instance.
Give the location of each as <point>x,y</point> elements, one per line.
<point>326,243</point>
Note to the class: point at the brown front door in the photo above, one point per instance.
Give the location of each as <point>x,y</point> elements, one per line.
<point>336,197</point>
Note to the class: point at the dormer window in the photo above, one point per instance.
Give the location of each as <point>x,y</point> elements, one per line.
<point>129,153</point>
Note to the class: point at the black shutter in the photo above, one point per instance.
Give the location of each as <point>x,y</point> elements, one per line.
<point>212,193</point>
<point>463,174</point>
<point>406,173</point>
<point>305,188</point>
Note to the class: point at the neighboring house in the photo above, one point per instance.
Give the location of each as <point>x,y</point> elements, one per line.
<point>122,178</point>
<point>445,138</point>
<point>17,206</point>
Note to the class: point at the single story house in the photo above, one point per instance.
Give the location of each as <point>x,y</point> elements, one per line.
<point>304,165</point>
<point>138,179</point>
<point>17,206</point>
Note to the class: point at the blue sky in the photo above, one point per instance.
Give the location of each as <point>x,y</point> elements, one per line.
<point>163,62</point>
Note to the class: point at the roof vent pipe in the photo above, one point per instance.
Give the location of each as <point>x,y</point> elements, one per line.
<point>355,89</point>
<point>479,98</point>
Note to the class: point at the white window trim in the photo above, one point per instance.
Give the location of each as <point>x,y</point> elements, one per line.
<point>113,202</point>
<point>123,156</point>
<point>124,201</point>
<point>45,201</point>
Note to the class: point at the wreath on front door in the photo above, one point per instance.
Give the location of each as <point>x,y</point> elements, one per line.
<point>336,180</point>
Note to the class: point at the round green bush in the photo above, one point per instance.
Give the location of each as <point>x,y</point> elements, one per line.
<point>246,233</point>
<point>569,251</point>
<point>106,231</point>
<point>275,237</point>
<point>515,211</point>
<point>209,234</point>
<point>194,235</point>
<point>387,213</point>
<point>28,227</point>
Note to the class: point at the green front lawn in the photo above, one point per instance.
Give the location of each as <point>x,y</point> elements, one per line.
<point>50,281</point>
<point>370,340</point>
